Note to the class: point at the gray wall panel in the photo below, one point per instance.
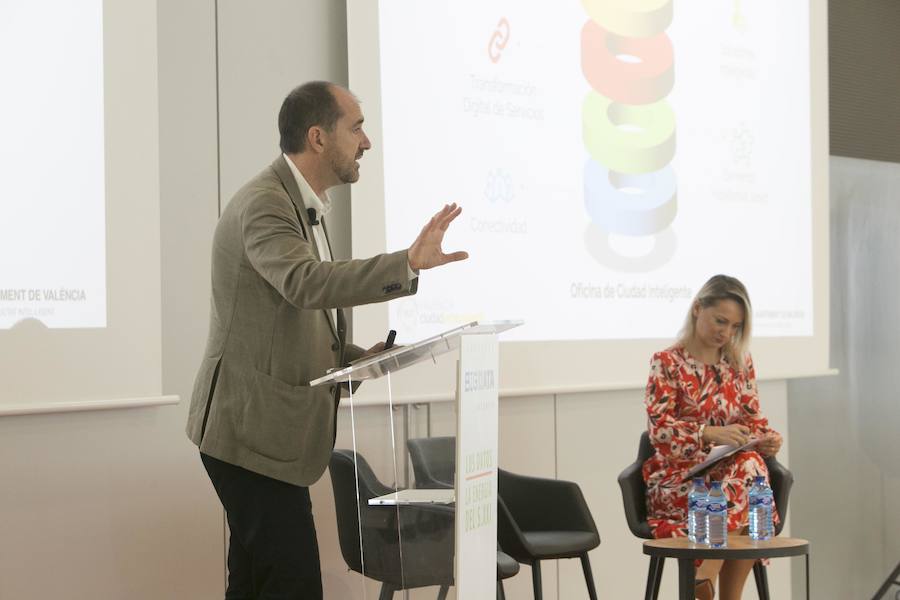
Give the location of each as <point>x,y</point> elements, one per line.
<point>843,430</point>
<point>864,78</point>
<point>265,50</point>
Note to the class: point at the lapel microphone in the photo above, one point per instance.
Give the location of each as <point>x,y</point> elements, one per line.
<point>311,213</point>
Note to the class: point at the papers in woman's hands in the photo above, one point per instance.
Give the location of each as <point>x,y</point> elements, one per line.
<point>717,454</point>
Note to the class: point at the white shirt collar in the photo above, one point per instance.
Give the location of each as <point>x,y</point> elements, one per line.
<point>310,199</point>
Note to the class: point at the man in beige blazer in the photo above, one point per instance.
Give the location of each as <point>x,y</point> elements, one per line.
<point>276,323</point>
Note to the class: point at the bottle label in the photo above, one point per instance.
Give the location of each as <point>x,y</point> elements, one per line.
<point>697,504</point>
<point>715,507</point>
<point>760,500</point>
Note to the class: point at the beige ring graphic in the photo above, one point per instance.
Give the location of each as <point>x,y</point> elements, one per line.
<point>596,240</point>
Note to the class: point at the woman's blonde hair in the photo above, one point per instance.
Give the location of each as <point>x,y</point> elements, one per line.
<point>723,287</point>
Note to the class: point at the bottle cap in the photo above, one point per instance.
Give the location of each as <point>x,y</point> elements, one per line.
<point>759,480</point>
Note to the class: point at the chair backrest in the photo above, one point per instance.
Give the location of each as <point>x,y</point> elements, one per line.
<point>634,490</point>
<point>645,448</point>
<point>781,480</point>
<point>426,555</point>
<point>509,537</point>
<point>343,483</point>
<point>434,461</point>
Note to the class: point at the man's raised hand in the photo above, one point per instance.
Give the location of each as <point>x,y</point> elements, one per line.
<point>426,251</point>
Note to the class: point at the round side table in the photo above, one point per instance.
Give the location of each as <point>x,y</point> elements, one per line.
<point>739,546</point>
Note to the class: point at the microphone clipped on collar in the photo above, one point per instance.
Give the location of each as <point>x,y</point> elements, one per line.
<point>311,213</point>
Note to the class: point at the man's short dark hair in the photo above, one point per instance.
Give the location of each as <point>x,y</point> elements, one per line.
<point>308,105</point>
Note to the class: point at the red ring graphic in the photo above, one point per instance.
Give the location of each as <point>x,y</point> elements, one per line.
<point>630,83</point>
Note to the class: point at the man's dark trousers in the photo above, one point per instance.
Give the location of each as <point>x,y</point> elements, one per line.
<point>273,552</point>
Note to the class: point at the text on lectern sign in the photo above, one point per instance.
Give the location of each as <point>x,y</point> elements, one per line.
<point>480,495</point>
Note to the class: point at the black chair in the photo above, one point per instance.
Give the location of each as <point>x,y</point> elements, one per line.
<point>634,498</point>
<point>427,532</point>
<point>544,519</point>
<point>507,566</point>
<point>433,461</point>
<point>892,580</point>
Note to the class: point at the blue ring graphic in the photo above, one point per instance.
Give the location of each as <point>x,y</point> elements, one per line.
<point>630,214</point>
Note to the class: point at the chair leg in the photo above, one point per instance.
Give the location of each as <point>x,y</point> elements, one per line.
<point>588,576</point>
<point>659,571</point>
<point>654,577</point>
<point>501,595</point>
<point>442,593</point>
<point>762,580</point>
<point>536,579</point>
<point>387,592</point>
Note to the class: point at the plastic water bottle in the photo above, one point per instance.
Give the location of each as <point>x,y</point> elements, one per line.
<point>697,512</point>
<point>760,506</point>
<point>716,516</point>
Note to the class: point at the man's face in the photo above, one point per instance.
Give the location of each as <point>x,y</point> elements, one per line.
<point>348,141</point>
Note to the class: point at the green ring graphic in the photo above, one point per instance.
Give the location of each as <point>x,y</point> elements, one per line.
<point>649,149</point>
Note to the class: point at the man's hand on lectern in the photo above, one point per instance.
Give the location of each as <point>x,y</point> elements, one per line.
<point>426,251</point>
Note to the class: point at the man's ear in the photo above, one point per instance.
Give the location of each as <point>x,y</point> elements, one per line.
<point>315,138</point>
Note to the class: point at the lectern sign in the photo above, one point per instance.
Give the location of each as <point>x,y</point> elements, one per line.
<point>476,456</point>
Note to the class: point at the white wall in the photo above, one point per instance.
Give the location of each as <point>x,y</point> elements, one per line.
<point>189,199</point>
<point>112,505</point>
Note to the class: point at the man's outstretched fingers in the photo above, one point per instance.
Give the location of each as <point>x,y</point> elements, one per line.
<point>455,256</point>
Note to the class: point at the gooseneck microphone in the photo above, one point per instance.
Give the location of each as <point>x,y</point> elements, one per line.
<point>311,213</point>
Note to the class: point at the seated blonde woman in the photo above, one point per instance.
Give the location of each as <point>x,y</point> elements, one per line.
<point>701,393</point>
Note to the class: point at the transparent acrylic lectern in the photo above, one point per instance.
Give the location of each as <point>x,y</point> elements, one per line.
<point>439,535</point>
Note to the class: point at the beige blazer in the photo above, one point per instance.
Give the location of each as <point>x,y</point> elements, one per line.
<point>271,332</point>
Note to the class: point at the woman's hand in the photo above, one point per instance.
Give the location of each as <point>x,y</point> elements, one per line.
<point>769,444</point>
<point>734,434</point>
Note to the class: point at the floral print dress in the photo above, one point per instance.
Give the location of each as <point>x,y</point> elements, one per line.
<point>683,393</point>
